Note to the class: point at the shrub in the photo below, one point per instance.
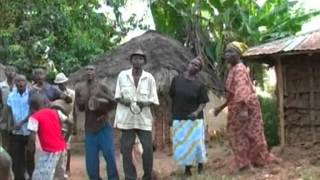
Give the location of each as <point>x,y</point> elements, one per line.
<point>270,119</point>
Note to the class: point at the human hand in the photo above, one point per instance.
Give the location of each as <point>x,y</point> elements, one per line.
<point>18,126</point>
<point>193,115</point>
<point>125,102</point>
<point>143,104</point>
<point>217,110</point>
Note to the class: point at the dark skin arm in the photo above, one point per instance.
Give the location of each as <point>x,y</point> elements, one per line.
<point>1,105</point>
<point>75,120</point>
<point>123,101</point>
<point>31,141</point>
<point>196,113</point>
<point>11,124</point>
<point>218,109</point>
<point>144,104</point>
<point>77,102</point>
<point>65,97</point>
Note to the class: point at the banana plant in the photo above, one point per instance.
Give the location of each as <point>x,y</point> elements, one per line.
<point>206,26</point>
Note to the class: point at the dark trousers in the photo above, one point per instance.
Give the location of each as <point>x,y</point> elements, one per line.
<point>22,158</point>
<point>94,142</point>
<point>4,135</point>
<point>127,142</point>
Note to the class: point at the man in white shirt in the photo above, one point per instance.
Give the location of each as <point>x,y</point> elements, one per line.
<point>135,92</point>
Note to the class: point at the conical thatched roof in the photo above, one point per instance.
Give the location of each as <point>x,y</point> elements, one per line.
<point>166,58</point>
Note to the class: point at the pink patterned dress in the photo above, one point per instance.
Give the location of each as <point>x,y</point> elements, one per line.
<point>245,132</point>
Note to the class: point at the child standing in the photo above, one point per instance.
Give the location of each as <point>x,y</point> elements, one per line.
<point>46,124</point>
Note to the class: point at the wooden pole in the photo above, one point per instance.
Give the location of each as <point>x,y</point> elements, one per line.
<point>311,105</point>
<point>280,84</point>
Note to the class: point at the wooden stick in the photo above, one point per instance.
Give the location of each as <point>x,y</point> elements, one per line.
<point>311,89</point>
<point>280,83</point>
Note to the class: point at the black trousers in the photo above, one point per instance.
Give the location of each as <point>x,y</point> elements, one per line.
<point>127,142</point>
<point>22,158</point>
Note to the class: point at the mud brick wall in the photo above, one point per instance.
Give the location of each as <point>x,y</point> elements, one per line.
<point>301,77</point>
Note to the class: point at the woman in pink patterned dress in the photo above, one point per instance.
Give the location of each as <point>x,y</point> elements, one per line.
<point>244,125</point>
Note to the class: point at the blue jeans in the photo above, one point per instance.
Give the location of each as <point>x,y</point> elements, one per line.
<point>94,142</point>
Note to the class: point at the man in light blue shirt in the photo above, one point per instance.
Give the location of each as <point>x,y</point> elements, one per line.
<point>18,103</point>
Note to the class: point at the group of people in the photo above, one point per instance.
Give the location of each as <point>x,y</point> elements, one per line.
<point>41,112</point>
<point>36,125</point>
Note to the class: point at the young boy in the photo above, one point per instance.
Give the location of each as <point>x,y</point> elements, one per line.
<point>46,124</point>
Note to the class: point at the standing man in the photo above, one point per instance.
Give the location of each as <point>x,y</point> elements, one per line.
<point>5,88</point>
<point>61,81</point>
<point>18,103</point>
<point>41,86</point>
<point>94,98</point>
<point>135,92</point>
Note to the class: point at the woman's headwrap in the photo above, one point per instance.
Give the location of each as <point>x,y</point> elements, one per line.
<point>240,47</point>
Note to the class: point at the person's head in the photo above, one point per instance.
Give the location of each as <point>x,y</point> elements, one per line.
<point>5,165</point>
<point>195,65</point>
<point>91,72</point>
<point>61,80</point>
<point>37,102</point>
<point>62,106</point>
<point>10,72</point>
<point>21,82</point>
<point>138,59</point>
<point>234,51</point>
<point>39,75</point>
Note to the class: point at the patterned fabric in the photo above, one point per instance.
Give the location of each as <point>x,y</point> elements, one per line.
<point>240,47</point>
<point>246,135</point>
<point>188,141</point>
<point>46,166</point>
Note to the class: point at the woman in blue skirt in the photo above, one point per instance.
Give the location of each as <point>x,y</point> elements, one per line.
<point>189,97</point>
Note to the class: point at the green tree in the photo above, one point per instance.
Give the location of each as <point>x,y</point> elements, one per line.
<point>205,26</point>
<point>68,33</point>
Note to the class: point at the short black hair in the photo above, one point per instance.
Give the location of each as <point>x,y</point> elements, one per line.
<point>90,67</point>
<point>12,68</point>
<point>38,71</point>
<point>20,77</point>
<point>37,101</point>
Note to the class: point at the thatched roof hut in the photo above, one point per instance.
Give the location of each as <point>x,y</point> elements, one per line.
<point>297,61</point>
<point>166,58</point>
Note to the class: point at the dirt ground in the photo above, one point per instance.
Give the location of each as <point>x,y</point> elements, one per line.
<point>299,163</point>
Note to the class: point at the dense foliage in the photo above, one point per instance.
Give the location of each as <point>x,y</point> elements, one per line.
<point>67,34</point>
<point>205,26</point>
